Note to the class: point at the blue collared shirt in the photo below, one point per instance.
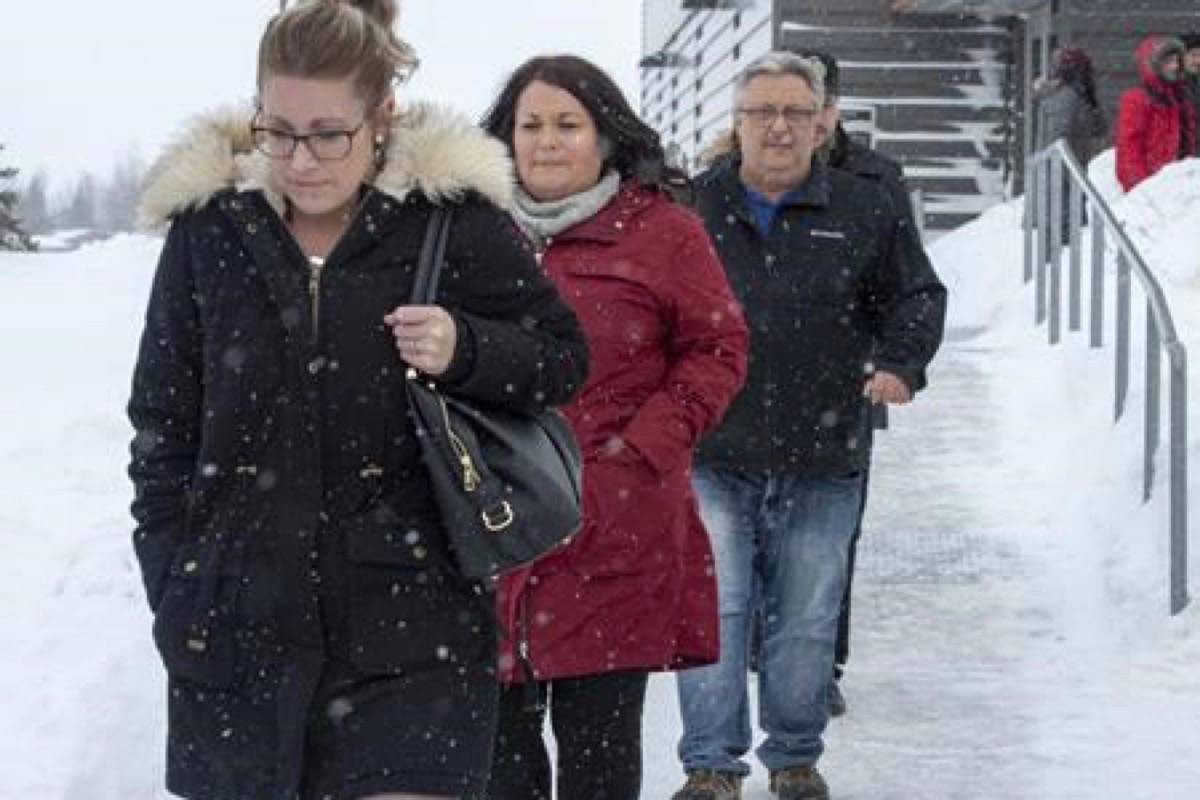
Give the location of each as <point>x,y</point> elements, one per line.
<point>764,209</point>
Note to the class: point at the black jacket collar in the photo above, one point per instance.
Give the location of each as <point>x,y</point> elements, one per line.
<point>814,192</point>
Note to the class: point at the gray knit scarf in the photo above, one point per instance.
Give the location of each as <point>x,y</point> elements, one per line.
<point>540,221</point>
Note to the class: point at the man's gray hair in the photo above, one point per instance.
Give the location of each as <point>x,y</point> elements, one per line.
<point>783,62</point>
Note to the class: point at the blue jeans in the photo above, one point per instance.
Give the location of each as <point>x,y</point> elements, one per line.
<point>782,545</point>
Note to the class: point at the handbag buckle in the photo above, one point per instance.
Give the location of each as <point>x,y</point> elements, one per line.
<point>497,519</point>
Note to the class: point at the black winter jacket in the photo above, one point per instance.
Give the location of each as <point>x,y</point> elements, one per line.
<point>1193,93</point>
<point>872,165</point>
<point>270,419</point>
<point>839,286</point>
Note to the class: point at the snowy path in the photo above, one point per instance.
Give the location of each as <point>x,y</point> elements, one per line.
<point>981,666</point>
<point>934,684</point>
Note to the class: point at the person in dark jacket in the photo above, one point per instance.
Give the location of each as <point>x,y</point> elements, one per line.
<point>1156,123</point>
<point>844,310</point>
<point>634,591</point>
<point>1191,70</point>
<point>840,151</point>
<point>317,639</point>
<point>1066,107</point>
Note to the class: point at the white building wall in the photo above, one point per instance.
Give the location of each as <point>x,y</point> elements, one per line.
<point>691,60</point>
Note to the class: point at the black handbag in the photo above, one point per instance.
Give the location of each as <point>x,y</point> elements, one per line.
<point>507,484</point>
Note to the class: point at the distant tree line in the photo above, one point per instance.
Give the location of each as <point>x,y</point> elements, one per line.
<point>103,204</point>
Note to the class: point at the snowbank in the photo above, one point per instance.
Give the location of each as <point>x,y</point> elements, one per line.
<point>1120,669</point>
<point>1161,214</point>
<point>1072,385</point>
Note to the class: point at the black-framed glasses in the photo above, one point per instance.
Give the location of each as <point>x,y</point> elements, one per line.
<point>332,145</point>
<point>765,116</point>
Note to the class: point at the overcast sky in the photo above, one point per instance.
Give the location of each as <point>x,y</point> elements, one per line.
<point>83,82</point>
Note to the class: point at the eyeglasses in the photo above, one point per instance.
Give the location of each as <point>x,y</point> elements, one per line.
<point>765,116</point>
<point>324,145</point>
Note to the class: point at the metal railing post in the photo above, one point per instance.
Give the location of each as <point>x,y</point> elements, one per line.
<point>1153,407</point>
<point>1043,237</point>
<point>1056,231</point>
<point>1122,335</point>
<point>1177,359</point>
<point>1097,318</point>
<point>1074,239</point>
<point>917,199</point>
<point>1030,191</point>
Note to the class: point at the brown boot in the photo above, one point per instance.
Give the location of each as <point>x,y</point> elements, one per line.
<point>707,784</point>
<point>799,783</point>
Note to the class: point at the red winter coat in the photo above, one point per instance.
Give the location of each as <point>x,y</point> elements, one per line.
<point>1156,122</point>
<point>635,588</point>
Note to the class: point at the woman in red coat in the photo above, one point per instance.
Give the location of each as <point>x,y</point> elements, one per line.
<point>634,591</point>
<point>1157,123</point>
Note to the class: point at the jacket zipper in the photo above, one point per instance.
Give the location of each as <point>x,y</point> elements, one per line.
<point>533,697</point>
<point>316,267</point>
<point>769,264</point>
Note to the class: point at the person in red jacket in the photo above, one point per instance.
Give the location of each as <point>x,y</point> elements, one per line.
<point>635,589</point>
<point>1157,123</point>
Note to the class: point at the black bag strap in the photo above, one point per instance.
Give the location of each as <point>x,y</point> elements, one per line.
<point>433,253</point>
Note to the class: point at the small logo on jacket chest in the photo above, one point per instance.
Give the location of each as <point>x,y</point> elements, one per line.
<point>817,233</point>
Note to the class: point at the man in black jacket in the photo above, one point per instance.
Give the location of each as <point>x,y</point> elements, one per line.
<point>844,311</point>
<point>842,152</point>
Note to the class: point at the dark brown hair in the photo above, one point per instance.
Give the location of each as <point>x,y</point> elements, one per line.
<point>338,39</point>
<point>634,148</point>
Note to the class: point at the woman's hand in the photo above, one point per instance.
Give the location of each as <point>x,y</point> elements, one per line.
<point>425,337</point>
<point>886,388</point>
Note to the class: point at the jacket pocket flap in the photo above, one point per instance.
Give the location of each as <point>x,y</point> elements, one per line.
<point>381,536</point>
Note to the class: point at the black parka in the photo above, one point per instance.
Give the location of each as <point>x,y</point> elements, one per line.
<point>1193,92</point>
<point>870,164</point>
<point>839,286</point>
<point>271,422</point>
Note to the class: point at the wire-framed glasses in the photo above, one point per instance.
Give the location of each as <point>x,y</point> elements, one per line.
<point>765,116</point>
<point>331,145</point>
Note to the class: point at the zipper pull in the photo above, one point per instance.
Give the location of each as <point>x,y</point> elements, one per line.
<point>470,476</point>
<point>315,265</point>
<point>532,700</point>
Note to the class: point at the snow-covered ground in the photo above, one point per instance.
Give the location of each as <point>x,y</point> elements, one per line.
<point>1011,629</point>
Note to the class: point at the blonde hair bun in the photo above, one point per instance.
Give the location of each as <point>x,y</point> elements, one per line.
<point>336,39</point>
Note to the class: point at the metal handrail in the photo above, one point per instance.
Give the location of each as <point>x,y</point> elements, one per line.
<point>916,197</point>
<point>1046,173</point>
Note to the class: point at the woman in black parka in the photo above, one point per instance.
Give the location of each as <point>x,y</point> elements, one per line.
<point>317,639</point>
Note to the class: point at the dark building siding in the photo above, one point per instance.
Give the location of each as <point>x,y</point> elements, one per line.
<point>932,90</point>
<point>1109,30</point>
